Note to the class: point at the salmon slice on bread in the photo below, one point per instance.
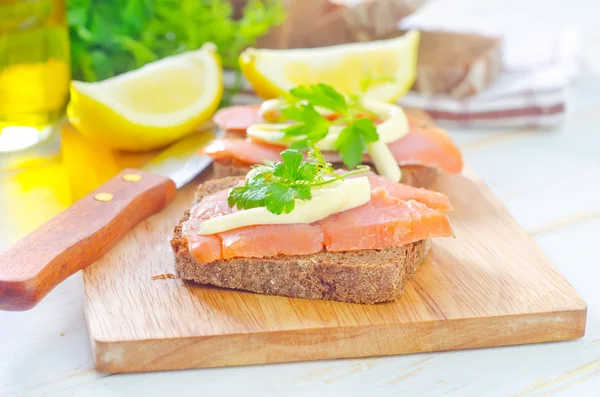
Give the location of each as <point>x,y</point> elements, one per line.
<point>422,153</point>
<point>362,255</point>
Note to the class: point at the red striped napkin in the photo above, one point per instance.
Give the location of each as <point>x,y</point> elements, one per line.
<point>538,67</point>
<point>540,59</point>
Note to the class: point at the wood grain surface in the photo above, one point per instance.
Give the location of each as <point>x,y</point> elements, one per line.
<point>549,180</point>
<point>489,286</point>
<point>78,236</point>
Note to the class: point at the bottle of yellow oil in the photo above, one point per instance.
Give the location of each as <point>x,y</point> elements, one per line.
<point>34,70</point>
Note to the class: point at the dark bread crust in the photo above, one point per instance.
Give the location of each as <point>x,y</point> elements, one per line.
<point>229,166</point>
<point>368,276</point>
<point>414,175</point>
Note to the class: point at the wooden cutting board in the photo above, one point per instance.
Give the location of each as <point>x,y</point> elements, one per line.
<point>489,286</point>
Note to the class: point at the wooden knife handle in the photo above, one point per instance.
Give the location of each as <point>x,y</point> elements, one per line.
<point>79,236</point>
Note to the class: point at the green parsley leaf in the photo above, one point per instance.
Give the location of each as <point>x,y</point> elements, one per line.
<point>251,198</point>
<point>277,186</point>
<point>132,33</point>
<point>306,172</point>
<point>280,198</point>
<point>291,162</point>
<point>351,146</point>
<point>352,141</point>
<point>235,196</point>
<point>302,192</point>
<point>366,128</point>
<point>301,112</point>
<point>322,95</point>
<point>310,126</point>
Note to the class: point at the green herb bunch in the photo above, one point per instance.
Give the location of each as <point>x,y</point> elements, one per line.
<point>309,126</point>
<point>276,185</point>
<point>109,37</point>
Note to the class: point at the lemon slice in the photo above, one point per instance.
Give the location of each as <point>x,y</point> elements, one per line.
<point>152,106</point>
<point>386,67</point>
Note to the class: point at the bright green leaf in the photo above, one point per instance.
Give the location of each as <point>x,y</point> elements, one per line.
<point>302,192</point>
<point>366,128</point>
<point>321,95</point>
<point>160,28</point>
<point>306,172</point>
<point>351,146</point>
<point>280,198</point>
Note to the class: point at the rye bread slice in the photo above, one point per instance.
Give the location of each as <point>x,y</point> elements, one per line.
<point>366,276</point>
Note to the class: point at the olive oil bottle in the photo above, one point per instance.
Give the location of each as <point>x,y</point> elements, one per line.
<point>34,70</point>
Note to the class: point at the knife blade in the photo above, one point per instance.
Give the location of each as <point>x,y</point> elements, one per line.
<point>85,231</point>
<point>181,162</point>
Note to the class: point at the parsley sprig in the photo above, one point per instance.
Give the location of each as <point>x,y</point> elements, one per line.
<point>110,37</point>
<point>276,186</point>
<point>309,126</point>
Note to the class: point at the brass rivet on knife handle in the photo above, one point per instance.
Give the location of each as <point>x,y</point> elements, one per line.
<point>104,197</point>
<point>132,177</point>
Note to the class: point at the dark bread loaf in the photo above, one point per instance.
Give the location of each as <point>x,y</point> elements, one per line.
<point>367,276</point>
<point>457,64</point>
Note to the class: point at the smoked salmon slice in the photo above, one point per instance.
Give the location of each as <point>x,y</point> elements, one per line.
<point>272,240</point>
<point>434,200</point>
<point>243,150</point>
<point>430,146</point>
<point>206,248</point>
<point>396,215</point>
<point>237,118</point>
<point>383,222</point>
<point>423,145</point>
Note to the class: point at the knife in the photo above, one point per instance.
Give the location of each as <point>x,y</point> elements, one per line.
<point>85,231</point>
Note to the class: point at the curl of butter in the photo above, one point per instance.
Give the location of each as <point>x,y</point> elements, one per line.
<point>328,200</point>
<point>394,125</point>
<point>384,161</point>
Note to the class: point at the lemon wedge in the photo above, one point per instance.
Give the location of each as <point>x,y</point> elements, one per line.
<point>152,106</point>
<point>386,67</point>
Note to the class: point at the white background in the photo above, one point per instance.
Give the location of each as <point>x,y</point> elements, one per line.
<point>549,180</point>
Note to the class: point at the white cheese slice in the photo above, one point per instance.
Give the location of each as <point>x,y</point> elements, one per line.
<point>328,200</point>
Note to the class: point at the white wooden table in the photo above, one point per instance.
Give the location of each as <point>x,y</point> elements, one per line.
<point>549,180</point>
